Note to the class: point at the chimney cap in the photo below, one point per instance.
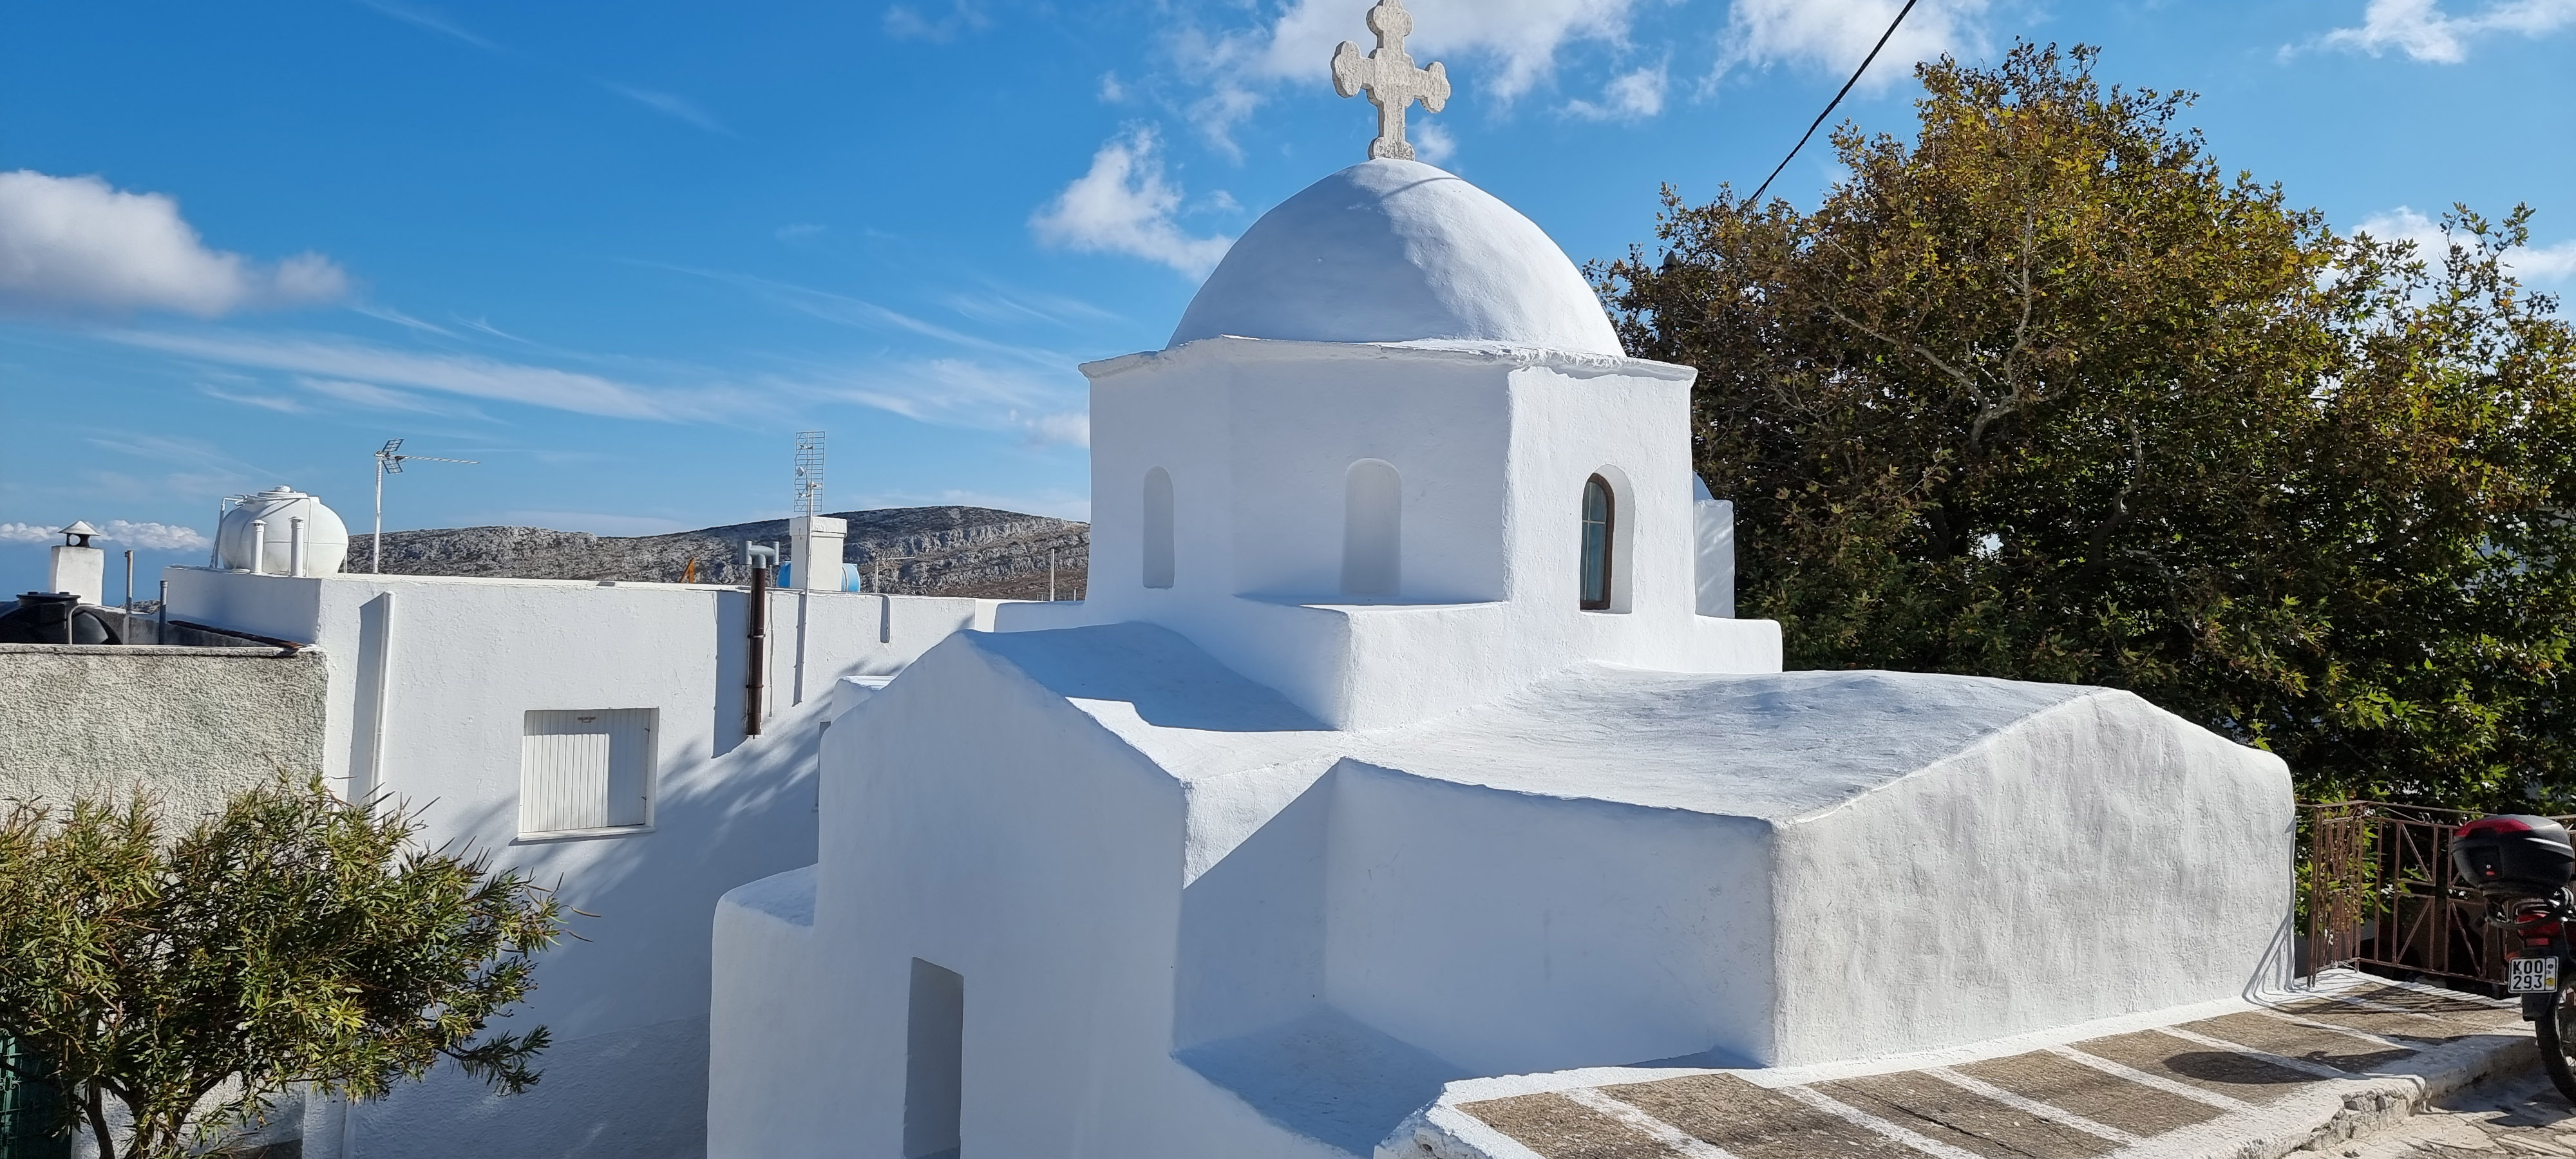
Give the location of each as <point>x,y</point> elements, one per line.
<point>77,535</point>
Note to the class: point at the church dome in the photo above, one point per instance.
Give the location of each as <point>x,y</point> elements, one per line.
<point>1398,251</point>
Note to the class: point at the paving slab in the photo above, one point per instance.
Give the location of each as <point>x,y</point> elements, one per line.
<point>2095,1094</point>
<point>1945,1112</point>
<point>2316,1074</point>
<point>2237,1076</point>
<point>1752,1122</point>
<point>2284,1037</point>
<point>1558,1127</point>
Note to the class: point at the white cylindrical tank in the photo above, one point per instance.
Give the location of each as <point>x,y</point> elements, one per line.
<point>281,513</point>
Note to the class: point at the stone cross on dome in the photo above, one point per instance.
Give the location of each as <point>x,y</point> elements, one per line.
<point>1393,83</point>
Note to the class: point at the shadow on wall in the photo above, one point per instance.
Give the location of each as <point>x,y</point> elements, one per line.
<point>1251,1015</point>
<point>626,994</point>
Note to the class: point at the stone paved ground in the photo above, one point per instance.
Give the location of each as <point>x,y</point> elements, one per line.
<point>2522,1117</point>
<point>2256,1083</point>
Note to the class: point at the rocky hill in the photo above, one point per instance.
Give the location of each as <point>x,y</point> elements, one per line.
<point>931,551</point>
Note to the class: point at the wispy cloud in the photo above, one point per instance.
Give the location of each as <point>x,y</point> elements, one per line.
<point>905,22</point>
<point>863,314</point>
<point>671,105</point>
<point>2423,31</point>
<point>188,466</point>
<point>430,19</point>
<point>373,397</point>
<point>389,314</point>
<point>77,245</point>
<point>676,107</point>
<point>1126,205</point>
<point>996,304</point>
<point>469,375</point>
<point>274,402</point>
<point>1044,408</point>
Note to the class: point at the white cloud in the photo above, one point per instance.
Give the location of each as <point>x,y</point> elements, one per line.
<point>1834,36</point>
<point>1630,96</point>
<point>1522,35</point>
<point>78,245</point>
<point>474,376</point>
<point>1126,205</point>
<point>2423,31</point>
<point>2554,263</point>
<point>1496,50</point>
<point>159,536</point>
<point>1432,142</point>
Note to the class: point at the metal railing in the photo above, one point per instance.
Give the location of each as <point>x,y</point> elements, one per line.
<point>2376,892</point>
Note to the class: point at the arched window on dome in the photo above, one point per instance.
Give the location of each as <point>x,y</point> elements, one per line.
<point>1372,529</point>
<point>1158,528</point>
<point>1600,536</point>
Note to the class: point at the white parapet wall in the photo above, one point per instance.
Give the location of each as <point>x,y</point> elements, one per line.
<point>437,690</point>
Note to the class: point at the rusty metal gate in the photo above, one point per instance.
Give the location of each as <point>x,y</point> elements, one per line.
<point>2376,892</point>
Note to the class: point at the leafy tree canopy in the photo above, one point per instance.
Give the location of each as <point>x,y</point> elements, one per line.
<point>292,939</point>
<point>2047,394</point>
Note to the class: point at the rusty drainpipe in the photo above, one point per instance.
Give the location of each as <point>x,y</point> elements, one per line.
<point>758,649</point>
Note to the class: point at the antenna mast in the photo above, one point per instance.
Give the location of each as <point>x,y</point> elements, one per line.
<point>809,473</point>
<point>389,461</point>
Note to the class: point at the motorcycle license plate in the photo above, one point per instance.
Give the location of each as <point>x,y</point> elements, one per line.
<point>2532,975</point>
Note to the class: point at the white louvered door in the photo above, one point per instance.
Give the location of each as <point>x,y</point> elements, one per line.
<point>586,769</point>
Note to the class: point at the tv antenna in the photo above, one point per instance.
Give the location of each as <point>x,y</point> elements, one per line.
<point>809,473</point>
<point>389,461</point>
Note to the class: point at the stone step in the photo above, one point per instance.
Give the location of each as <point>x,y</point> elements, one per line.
<point>2293,1074</point>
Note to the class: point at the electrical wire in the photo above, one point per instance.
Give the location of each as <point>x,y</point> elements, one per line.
<point>1756,199</point>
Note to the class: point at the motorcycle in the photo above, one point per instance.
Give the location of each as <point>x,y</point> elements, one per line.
<point>2522,865</point>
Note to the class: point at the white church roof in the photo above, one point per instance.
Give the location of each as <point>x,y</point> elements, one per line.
<point>1774,747</point>
<point>1398,251</point>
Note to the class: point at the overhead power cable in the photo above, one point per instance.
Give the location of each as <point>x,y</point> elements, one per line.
<point>1883,38</point>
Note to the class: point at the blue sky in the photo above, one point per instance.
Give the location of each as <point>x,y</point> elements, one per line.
<point>620,253</point>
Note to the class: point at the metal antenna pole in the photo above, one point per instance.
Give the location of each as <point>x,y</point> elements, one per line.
<point>389,461</point>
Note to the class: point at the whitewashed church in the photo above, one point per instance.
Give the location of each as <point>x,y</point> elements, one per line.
<point>1406,736</point>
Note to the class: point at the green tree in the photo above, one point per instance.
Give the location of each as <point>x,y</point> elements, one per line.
<point>2046,394</point>
<point>291,940</point>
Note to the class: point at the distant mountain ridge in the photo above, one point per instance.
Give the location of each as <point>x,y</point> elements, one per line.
<point>941,551</point>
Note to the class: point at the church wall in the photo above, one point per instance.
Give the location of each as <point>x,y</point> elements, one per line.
<point>1298,425</point>
<point>1508,934</point>
<point>1634,431</point>
<point>2102,858</point>
<point>1176,421</point>
<point>1042,861</point>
